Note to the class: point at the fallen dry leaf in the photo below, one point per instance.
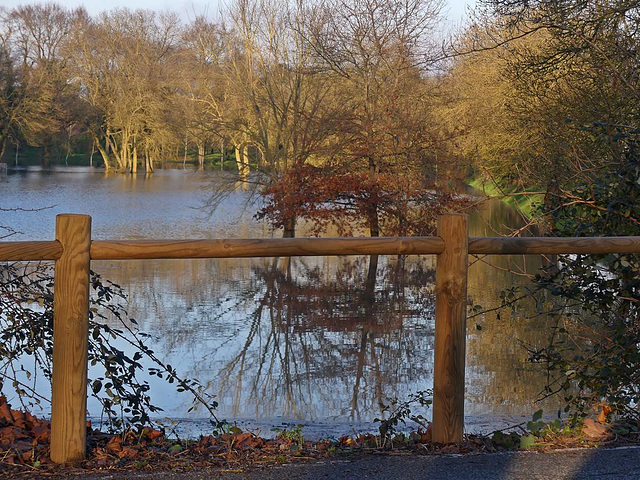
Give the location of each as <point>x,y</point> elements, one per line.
<point>594,431</point>
<point>9,435</point>
<point>18,418</point>
<point>153,434</point>
<point>242,437</point>
<point>128,452</point>
<point>5,411</point>
<point>450,449</point>
<point>41,433</point>
<point>114,445</point>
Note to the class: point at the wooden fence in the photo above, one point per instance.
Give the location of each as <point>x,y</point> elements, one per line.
<point>73,251</point>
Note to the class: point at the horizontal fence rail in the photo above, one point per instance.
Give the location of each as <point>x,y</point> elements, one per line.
<point>30,251</point>
<point>552,245</point>
<point>73,251</point>
<point>264,247</point>
<point>294,247</point>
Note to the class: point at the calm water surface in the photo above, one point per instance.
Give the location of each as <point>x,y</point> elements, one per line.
<point>318,341</point>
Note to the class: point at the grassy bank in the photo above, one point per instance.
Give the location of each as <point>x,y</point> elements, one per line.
<point>523,202</point>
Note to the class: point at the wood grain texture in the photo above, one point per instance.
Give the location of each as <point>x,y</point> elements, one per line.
<point>140,249</point>
<point>284,247</point>
<point>70,339</point>
<point>450,331</point>
<point>25,251</point>
<point>553,245</point>
<point>269,247</point>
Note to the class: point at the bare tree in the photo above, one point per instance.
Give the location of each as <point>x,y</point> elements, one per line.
<point>124,61</point>
<point>277,103</point>
<point>36,95</point>
<point>381,51</point>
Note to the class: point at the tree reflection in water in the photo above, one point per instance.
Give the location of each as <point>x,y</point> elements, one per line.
<point>302,337</point>
<point>340,333</point>
<point>328,338</point>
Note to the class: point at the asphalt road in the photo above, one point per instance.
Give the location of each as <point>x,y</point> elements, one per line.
<point>602,464</point>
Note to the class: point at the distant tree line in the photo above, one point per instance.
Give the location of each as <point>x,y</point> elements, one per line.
<point>352,112</point>
<point>339,93</point>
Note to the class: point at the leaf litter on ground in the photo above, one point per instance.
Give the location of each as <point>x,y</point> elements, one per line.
<point>25,441</point>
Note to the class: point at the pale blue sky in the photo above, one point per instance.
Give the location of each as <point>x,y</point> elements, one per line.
<point>186,8</point>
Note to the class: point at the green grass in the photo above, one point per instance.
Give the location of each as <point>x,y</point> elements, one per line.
<point>524,203</point>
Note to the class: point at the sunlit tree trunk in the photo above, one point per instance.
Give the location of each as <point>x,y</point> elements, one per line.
<point>104,153</point>
<point>184,158</point>
<point>200,156</point>
<point>223,153</point>
<point>124,153</point>
<point>148,160</point>
<point>134,158</point>
<point>242,161</point>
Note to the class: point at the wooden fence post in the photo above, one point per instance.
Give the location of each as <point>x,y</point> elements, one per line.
<point>70,339</point>
<point>450,334</point>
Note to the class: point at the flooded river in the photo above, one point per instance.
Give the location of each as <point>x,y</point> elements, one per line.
<point>316,341</point>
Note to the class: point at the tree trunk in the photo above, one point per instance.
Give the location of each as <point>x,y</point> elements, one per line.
<point>104,152</point>
<point>550,203</point>
<point>184,159</point>
<point>111,146</point>
<point>374,223</point>
<point>67,147</point>
<point>45,156</point>
<point>289,229</point>
<point>238,159</point>
<point>148,161</point>
<point>372,213</point>
<point>201,156</point>
<point>106,143</point>
<point>242,162</point>
<point>122,154</point>
<point>134,158</point>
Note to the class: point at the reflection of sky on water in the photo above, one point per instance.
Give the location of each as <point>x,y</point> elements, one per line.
<point>313,339</point>
<point>164,205</point>
<point>259,333</point>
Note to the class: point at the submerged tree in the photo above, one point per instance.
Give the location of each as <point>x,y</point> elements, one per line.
<point>387,169</point>
<point>123,62</point>
<point>331,196</point>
